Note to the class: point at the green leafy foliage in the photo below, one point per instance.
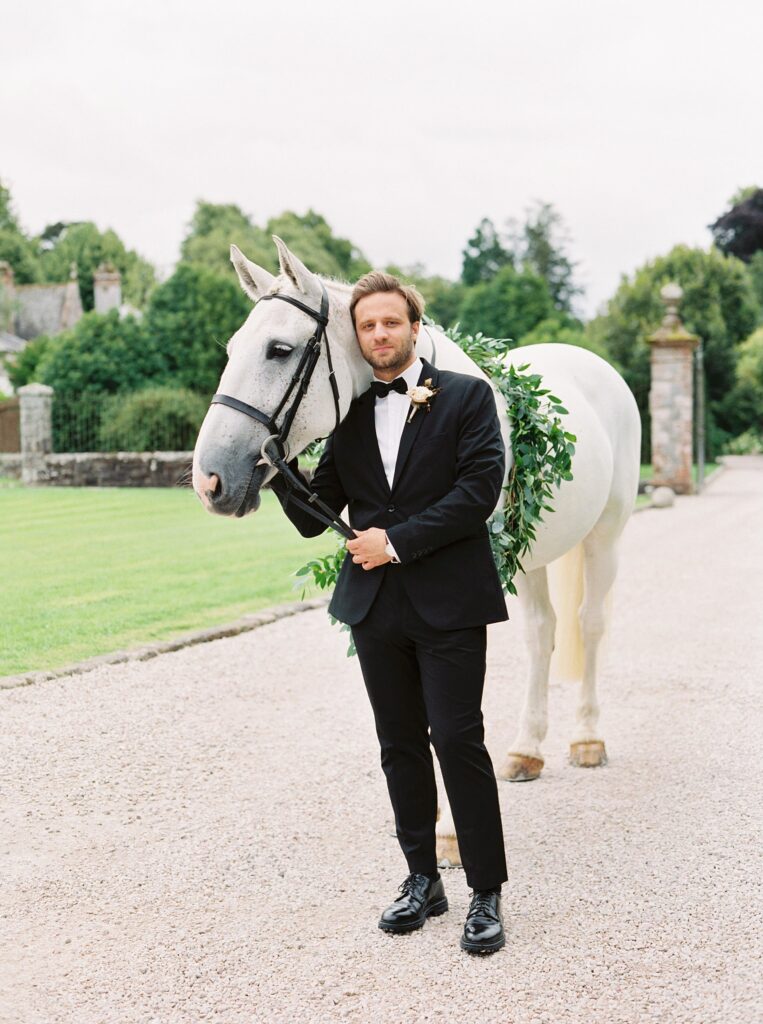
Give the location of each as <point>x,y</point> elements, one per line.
<point>719,305</point>
<point>485,254</point>
<point>542,251</point>
<point>22,256</point>
<point>101,353</point>
<point>542,450</point>
<point>8,219</point>
<point>510,304</point>
<point>562,329</point>
<point>86,246</point>
<point>189,321</point>
<point>755,269</point>
<point>155,419</point>
<point>213,228</point>
<point>742,407</point>
<point>23,368</point>
<point>739,231</point>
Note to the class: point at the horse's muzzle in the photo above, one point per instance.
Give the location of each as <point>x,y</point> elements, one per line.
<point>218,495</point>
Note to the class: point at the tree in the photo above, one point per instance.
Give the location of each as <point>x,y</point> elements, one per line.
<point>562,329</point>
<point>85,245</point>
<point>21,254</point>
<point>8,220</point>
<point>100,354</point>
<point>541,250</point>
<point>743,406</point>
<point>15,247</point>
<point>755,268</point>
<point>213,228</point>
<point>319,249</point>
<point>739,231</point>
<point>507,306</point>
<point>189,321</point>
<point>484,255</point>
<point>719,305</point>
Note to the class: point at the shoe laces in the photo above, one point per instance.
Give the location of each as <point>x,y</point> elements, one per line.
<point>407,885</point>
<point>482,904</point>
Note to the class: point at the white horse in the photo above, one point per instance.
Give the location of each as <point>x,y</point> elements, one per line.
<point>579,537</point>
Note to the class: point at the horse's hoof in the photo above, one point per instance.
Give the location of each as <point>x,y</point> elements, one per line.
<point>447,850</point>
<point>590,754</point>
<point>521,768</point>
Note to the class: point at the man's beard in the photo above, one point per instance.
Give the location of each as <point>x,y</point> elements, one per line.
<point>395,360</point>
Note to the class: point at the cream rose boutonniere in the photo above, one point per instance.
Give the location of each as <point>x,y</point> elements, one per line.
<point>421,396</point>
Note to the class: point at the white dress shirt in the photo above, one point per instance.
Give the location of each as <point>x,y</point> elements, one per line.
<point>390,414</point>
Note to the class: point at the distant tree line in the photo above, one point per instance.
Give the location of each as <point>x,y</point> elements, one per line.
<point>516,283</point>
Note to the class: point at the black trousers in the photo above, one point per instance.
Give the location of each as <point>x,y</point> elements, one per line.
<point>421,680</point>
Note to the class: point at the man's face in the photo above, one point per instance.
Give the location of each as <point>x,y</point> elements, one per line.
<point>385,334</point>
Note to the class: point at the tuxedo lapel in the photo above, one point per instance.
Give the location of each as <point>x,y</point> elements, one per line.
<point>412,427</point>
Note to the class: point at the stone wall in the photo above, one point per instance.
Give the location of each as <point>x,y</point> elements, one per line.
<point>107,469</point>
<point>10,465</point>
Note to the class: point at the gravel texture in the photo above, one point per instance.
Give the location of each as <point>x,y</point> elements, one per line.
<point>206,836</point>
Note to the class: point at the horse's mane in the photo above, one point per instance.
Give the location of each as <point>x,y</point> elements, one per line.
<point>334,283</point>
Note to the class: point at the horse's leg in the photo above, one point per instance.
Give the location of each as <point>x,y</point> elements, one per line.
<point>445,832</point>
<point>525,761</point>
<point>587,748</point>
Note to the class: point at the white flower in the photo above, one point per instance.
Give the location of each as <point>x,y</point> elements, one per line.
<point>420,394</point>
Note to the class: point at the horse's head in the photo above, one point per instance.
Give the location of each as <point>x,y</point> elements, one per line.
<point>263,357</point>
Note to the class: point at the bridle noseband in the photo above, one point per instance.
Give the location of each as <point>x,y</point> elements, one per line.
<point>278,435</point>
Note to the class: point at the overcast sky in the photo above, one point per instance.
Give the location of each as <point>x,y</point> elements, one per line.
<point>402,123</point>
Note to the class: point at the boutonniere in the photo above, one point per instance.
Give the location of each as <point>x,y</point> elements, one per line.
<point>421,396</point>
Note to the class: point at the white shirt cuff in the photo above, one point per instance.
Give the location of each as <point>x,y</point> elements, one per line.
<point>391,551</point>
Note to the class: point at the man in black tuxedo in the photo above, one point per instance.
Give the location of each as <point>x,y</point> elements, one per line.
<point>418,587</point>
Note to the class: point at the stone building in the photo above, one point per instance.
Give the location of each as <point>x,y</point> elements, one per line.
<point>28,310</point>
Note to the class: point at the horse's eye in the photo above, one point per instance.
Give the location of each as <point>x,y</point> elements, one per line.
<point>278,350</point>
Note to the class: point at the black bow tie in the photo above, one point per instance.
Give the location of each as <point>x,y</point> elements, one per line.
<point>382,389</point>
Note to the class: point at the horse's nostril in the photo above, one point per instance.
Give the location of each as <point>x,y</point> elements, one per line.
<point>214,487</point>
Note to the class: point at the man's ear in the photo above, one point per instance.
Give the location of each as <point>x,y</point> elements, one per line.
<point>255,280</point>
<point>302,278</point>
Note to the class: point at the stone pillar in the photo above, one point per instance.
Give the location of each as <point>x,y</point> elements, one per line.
<point>107,288</point>
<point>670,397</point>
<point>36,427</point>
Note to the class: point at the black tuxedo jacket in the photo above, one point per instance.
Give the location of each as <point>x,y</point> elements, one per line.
<point>447,481</point>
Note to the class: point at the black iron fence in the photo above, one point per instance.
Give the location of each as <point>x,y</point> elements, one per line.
<point>151,420</point>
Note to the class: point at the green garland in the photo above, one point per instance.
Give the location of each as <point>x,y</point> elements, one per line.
<point>542,450</point>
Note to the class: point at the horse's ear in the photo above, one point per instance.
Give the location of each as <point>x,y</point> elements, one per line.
<point>294,268</point>
<point>254,280</point>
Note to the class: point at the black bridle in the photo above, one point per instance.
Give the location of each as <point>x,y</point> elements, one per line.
<point>277,437</point>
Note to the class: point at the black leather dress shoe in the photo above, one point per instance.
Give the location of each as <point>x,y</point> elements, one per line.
<point>420,898</point>
<point>483,930</point>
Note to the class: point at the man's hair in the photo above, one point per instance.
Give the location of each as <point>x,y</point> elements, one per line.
<point>378,281</point>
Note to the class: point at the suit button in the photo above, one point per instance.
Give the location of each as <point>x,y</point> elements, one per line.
<point>391,508</point>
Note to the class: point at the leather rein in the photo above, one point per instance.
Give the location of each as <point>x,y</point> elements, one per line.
<point>277,437</point>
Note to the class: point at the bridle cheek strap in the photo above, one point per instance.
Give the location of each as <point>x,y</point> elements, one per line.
<point>278,435</point>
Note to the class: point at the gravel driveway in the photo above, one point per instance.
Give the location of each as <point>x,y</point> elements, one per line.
<point>183,841</point>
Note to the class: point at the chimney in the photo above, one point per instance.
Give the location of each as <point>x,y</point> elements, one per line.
<point>107,288</point>
<point>71,309</point>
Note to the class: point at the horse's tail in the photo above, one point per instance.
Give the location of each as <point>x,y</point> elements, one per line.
<point>565,577</point>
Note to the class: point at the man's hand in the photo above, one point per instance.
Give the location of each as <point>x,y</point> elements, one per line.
<point>368,549</point>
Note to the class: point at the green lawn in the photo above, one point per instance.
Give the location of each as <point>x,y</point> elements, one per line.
<point>88,571</point>
<point>646,470</point>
